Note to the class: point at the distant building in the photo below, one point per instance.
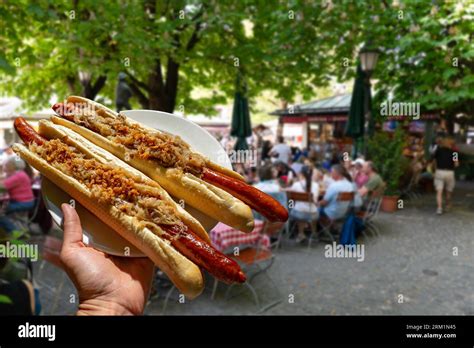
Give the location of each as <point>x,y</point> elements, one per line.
<point>325,119</point>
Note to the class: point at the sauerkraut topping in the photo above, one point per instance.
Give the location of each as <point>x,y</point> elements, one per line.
<point>110,184</point>
<point>166,149</point>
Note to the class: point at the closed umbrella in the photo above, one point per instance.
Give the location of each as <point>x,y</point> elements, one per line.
<point>241,126</point>
<point>355,127</point>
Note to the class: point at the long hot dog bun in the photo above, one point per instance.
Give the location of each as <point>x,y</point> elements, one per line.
<point>183,273</point>
<point>194,191</point>
<point>52,131</point>
<point>105,111</point>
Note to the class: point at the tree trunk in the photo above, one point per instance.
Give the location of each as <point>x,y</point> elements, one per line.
<point>156,102</point>
<point>156,88</point>
<point>90,90</point>
<point>162,95</point>
<point>172,77</point>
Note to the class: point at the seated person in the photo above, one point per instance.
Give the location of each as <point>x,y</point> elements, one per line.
<point>284,171</point>
<point>358,174</point>
<point>270,184</point>
<point>374,184</point>
<point>305,212</point>
<point>296,166</point>
<point>251,176</point>
<point>18,185</point>
<point>330,207</point>
<point>268,179</point>
<point>327,161</point>
<point>326,180</point>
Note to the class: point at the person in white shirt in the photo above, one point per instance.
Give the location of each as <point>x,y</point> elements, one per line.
<point>327,179</point>
<point>268,179</point>
<point>305,212</point>
<point>281,151</point>
<point>329,205</point>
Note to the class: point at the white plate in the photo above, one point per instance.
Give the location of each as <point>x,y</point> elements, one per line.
<point>99,235</point>
<point>95,232</point>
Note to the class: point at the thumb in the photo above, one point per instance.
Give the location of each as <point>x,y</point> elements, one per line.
<point>72,226</point>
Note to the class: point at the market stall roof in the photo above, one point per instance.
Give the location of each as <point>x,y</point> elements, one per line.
<point>338,104</point>
<point>332,109</point>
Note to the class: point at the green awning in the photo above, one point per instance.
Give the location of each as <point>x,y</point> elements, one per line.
<point>355,127</point>
<point>241,126</point>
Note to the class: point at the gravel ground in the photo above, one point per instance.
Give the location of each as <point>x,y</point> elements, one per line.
<point>421,264</point>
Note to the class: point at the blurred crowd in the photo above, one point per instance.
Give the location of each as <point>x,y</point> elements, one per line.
<point>321,171</point>
<point>17,179</point>
<point>325,169</point>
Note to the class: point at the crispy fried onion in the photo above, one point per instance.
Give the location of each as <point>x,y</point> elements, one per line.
<point>166,149</point>
<point>111,184</point>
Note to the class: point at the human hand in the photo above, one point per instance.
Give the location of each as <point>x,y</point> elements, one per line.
<point>107,285</point>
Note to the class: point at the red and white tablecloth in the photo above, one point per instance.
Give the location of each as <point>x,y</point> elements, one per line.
<point>224,237</point>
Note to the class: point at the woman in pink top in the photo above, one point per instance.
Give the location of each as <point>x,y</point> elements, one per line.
<point>18,185</point>
<point>358,175</point>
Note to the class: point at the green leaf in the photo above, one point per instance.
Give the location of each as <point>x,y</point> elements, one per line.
<point>289,57</point>
<point>5,299</point>
<point>449,72</point>
<point>6,67</point>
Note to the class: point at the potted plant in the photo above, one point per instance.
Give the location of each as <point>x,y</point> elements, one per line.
<point>11,268</point>
<point>385,151</point>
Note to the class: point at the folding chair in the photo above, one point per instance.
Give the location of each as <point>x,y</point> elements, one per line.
<point>371,211</point>
<point>24,218</point>
<point>20,220</point>
<point>411,190</point>
<point>328,224</point>
<point>306,197</point>
<point>274,230</point>
<point>167,298</point>
<point>51,249</point>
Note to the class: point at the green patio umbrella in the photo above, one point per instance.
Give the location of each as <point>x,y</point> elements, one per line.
<point>355,127</point>
<point>241,127</point>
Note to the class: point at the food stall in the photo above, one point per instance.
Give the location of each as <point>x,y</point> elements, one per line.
<point>323,121</point>
<point>320,121</point>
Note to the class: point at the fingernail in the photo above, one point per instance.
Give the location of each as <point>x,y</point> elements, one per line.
<point>65,206</point>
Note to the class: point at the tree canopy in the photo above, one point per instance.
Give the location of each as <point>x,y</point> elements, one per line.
<point>170,49</point>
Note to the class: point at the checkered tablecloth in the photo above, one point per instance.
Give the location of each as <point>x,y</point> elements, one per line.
<point>224,237</point>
